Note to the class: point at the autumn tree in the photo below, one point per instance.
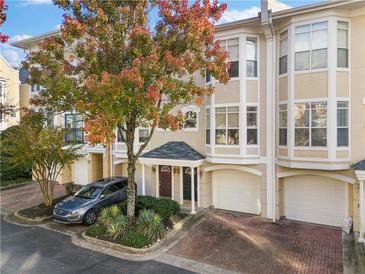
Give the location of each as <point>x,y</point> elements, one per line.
<point>3,37</point>
<point>121,62</point>
<point>42,149</point>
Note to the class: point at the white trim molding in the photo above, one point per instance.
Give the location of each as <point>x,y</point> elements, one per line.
<point>331,175</point>
<point>234,167</point>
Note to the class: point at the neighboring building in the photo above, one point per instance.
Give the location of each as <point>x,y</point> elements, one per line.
<point>279,139</point>
<point>9,94</point>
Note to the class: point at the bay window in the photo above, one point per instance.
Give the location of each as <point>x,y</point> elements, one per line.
<point>342,123</point>
<point>207,126</point>
<point>227,126</point>
<point>251,57</point>
<point>251,125</point>
<point>74,124</point>
<point>342,45</point>
<point>232,47</point>
<point>283,54</point>
<point>283,124</point>
<point>311,46</point>
<point>311,124</point>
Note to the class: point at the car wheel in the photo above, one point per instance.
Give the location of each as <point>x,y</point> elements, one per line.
<point>90,217</point>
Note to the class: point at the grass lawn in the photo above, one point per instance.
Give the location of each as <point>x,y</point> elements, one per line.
<point>14,182</point>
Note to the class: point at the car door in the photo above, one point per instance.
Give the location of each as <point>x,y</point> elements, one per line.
<point>122,186</point>
<point>111,195</point>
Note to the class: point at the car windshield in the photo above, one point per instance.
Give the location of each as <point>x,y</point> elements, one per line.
<point>89,192</point>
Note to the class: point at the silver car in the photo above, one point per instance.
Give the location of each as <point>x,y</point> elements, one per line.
<point>84,206</point>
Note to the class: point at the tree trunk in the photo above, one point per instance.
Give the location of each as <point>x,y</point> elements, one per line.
<point>131,191</point>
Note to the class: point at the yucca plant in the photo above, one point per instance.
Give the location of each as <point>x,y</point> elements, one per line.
<point>108,214</point>
<point>150,225</point>
<point>117,227</point>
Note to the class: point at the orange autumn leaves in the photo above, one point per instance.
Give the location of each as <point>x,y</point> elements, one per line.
<point>121,70</point>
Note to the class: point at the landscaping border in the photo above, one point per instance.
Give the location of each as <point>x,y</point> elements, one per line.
<point>141,254</point>
<point>37,220</point>
<point>3,188</point>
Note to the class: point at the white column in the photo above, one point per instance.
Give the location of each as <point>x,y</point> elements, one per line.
<point>157,181</point>
<point>198,186</point>
<point>332,104</point>
<point>212,124</point>
<point>192,191</point>
<point>242,107</point>
<point>172,183</point>
<point>270,129</point>
<point>143,181</point>
<point>181,186</point>
<point>362,211</point>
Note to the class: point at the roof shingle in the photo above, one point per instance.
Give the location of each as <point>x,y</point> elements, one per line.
<point>175,151</point>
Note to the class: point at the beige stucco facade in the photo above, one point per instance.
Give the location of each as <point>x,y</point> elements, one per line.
<point>10,95</point>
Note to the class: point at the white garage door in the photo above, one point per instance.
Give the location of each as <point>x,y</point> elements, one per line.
<point>315,199</point>
<point>80,172</point>
<point>236,190</point>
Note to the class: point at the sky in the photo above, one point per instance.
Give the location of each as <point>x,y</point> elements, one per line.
<point>26,18</point>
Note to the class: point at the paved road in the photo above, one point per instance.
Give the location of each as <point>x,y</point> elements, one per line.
<point>37,250</point>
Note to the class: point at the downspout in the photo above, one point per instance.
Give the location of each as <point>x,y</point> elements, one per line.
<point>266,22</point>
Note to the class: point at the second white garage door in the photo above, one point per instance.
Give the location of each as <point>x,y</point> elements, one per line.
<point>236,191</point>
<point>80,172</point>
<point>315,199</point>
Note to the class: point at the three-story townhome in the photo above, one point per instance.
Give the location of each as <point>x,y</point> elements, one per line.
<point>285,137</point>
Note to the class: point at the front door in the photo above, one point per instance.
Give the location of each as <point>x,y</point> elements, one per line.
<point>187,183</point>
<point>165,181</point>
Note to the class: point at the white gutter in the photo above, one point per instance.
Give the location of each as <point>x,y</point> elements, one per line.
<point>266,22</point>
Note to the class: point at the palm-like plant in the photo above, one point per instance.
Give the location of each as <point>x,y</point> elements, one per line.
<point>109,214</point>
<point>117,227</point>
<point>150,225</point>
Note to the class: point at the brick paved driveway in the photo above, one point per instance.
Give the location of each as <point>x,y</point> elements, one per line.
<point>26,196</point>
<point>248,244</point>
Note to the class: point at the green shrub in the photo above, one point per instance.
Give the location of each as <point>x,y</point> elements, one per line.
<point>134,239</point>
<point>95,230</point>
<point>116,227</point>
<point>150,225</point>
<point>9,171</point>
<point>108,214</point>
<point>163,207</point>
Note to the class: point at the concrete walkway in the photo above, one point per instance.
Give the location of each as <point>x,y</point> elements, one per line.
<point>25,196</point>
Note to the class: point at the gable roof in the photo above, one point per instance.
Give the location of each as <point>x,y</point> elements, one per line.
<point>174,151</point>
<point>359,165</point>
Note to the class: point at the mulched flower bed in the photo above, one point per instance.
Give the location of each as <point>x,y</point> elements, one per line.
<point>40,211</point>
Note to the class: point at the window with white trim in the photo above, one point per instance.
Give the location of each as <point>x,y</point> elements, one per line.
<point>232,47</point>
<point>251,112</point>
<point>311,46</point>
<point>207,126</point>
<point>342,44</point>
<point>191,120</point>
<point>74,123</point>
<point>143,134</point>
<point>311,124</point>
<point>283,52</point>
<point>2,89</point>
<point>283,124</point>
<point>251,57</point>
<point>35,88</point>
<point>120,136</point>
<point>226,125</point>
<point>342,123</point>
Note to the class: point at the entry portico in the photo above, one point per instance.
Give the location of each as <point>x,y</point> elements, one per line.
<point>169,160</point>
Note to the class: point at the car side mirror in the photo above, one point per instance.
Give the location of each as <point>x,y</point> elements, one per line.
<point>102,196</point>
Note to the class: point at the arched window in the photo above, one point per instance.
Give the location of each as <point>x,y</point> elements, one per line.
<point>191,120</point>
